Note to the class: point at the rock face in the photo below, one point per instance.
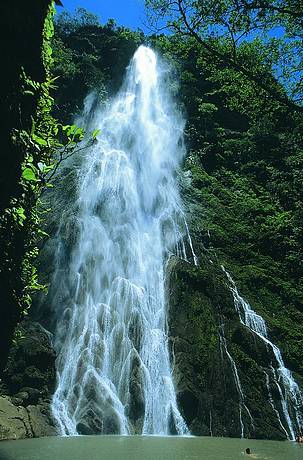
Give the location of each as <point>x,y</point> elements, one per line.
<point>206,335</point>
<point>31,362</point>
<point>27,386</point>
<point>17,422</point>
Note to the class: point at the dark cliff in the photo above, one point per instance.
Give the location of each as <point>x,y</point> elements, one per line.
<point>26,357</point>
<point>21,38</point>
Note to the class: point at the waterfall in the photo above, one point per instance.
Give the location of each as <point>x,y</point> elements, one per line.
<point>113,367</point>
<point>291,399</point>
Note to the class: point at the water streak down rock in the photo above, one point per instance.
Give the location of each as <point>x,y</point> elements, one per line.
<point>291,400</point>
<point>114,373</point>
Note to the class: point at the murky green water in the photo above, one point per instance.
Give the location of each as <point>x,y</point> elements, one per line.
<point>146,448</point>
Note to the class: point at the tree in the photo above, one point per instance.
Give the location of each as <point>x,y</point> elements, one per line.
<point>227,30</point>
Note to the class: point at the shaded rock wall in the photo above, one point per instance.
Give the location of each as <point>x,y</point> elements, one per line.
<point>27,385</point>
<point>202,318</point>
<point>21,27</point>
<point>205,328</point>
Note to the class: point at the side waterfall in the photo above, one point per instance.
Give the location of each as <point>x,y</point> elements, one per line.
<point>291,399</point>
<point>113,366</point>
<point>242,405</point>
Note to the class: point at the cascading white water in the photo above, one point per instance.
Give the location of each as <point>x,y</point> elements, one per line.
<point>290,396</point>
<point>114,373</point>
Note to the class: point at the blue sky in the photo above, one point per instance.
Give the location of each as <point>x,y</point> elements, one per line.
<point>129,13</point>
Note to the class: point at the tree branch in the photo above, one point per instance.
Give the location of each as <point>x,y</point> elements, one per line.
<point>232,63</point>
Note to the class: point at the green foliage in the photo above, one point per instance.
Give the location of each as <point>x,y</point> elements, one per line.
<point>45,145</point>
<point>89,57</point>
<point>95,133</point>
<point>244,193</point>
<point>260,41</point>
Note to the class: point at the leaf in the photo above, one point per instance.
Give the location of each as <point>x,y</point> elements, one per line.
<point>33,126</point>
<point>42,233</point>
<point>39,140</point>
<point>68,129</point>
<point>79,132</point>
<point>28,93</point>
<point>29,175</point>
<point>20,217</point>
<point>95,133</point>
<point>20,212</point>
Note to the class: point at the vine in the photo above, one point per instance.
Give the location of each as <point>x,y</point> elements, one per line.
<point>45,146</point>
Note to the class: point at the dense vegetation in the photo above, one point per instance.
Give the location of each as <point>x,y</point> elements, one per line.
<point>25,110</point>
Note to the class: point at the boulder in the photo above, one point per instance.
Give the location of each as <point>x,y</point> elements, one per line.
<point>17,422</point>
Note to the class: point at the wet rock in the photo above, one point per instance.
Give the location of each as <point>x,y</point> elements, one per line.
<point>83,429</point>
<point>111,425</point>
<point>136,408</point>
<point>190,404</point>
